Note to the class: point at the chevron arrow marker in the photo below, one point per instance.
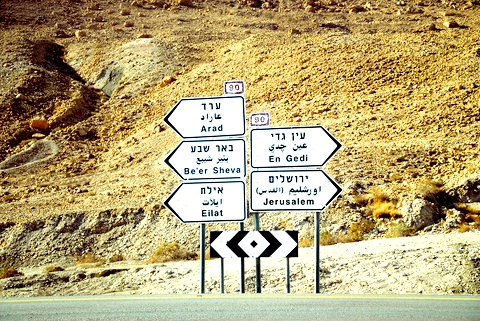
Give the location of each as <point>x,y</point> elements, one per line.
<point>254,244</point>
<point>288,241</point>
<point>219,244</point>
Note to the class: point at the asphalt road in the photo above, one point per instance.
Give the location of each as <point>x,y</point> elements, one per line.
<point>243,307</point>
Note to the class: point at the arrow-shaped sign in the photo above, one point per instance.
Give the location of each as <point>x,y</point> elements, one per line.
<point>209,159</point>
<point>208,117</point>
<point>292,147</point>
<point>208,202</point>
<point>254,244</point>
<point>297,190</point>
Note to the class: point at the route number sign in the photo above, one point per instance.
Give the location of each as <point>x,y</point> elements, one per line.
<point>234,87</point>
<point>260,119</point>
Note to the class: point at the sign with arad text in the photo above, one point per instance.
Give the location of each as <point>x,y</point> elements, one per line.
<point>292,147</point>
<point>208,117</point>
<point>295,190</point>
<point>209,159</point>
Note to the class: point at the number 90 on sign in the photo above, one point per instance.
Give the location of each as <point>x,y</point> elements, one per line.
<point>260,119</point>
<point>234,87</point>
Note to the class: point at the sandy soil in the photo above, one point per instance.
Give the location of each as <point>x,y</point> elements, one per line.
<point>396,82</point>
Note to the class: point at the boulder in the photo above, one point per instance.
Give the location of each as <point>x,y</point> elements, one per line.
<point>418,213</point>
<point>467,191</point>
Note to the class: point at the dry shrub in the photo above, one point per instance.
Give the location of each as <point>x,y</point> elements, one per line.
<point>398,230</point>
<point>378,204</point>
<point>116,258</point>
<point>170,252</point>
<point>54,268</point>
<point>467,208</point>
<point>306,242</point>
<point>90,260</point>
<point>9,272</point>
<point>358,230</point>
<point>87,258</point>
<point>385,209</point>
<point>464,228</point>
<point>430,190</point>
<point>474,218</point>
<point>326,238</point>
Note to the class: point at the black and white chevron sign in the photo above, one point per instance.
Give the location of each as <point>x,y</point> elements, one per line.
<point>253,244</point>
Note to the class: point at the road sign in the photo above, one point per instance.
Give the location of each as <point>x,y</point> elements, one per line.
<point>234,87</point>
<point>296,190</point>
<point>208,117</point>
<point>292,147</point>
<point>260,119</point>
<point>254,244</point>
<point>209,159</point>
<point>212,201</point>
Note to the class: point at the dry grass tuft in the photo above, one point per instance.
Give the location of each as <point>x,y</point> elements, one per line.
<point>326,238</point>
<point>171,252</point>
<point>90,260</point>
<point>398,230</point>
<point>358,230</point>
<point>430,190</point>
<point>9,273</point>
<point>383,209</point>
<point>468,208</point>
<point>464,228</point>
<point>306,242</point>
<point>116,258</point>
<point>50,269</point>
<point>378,204</point>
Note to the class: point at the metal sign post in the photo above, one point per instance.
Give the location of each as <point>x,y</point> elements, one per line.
<point>202,258</point>
<point>258,272</point>
<point>317,252</point>
<point>242,265</point>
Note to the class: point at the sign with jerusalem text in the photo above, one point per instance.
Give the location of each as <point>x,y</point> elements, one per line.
<point>208,117</point>
<point>310,146</point>
<point>291,190</point>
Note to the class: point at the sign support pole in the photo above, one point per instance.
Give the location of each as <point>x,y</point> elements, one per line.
<point>202,258</point>
<point>287,272</point>
<point>242,266</point>
<point>258,271</point>
<point>222,276</point>
<point>317,252</point>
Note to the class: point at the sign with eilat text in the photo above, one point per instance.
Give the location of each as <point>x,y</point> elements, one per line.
<point>295,190</point>
<point>291,147</point>
<point>209,159</point>
<point>212,201</point>
<point>208,117</point>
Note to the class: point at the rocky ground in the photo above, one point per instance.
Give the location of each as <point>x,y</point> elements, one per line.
<point>86,84</point>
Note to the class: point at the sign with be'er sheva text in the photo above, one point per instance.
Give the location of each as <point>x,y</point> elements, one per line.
<point>209,159</point>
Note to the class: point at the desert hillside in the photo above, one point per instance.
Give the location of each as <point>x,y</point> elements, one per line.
<point>86,84</point>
